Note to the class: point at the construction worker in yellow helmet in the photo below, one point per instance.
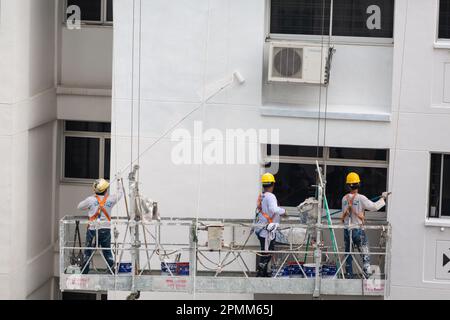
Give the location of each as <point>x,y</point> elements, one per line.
<point>99,207</point>
<point>354,206</point>
<point>268,216</point>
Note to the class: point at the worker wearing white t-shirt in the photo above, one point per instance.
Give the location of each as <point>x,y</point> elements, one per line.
<point>99,207</point>
<point>354,206</point>
<point>267,219</point>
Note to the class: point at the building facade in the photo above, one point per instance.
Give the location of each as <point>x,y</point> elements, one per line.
<point>156,75</point>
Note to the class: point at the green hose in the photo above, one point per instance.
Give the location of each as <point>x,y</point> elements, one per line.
<point>307,248</point>
<point>332,234</point>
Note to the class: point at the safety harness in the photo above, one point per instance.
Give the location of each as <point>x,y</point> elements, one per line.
<point>260,211</point>
<point>101,209</point>
<point>350,210</point>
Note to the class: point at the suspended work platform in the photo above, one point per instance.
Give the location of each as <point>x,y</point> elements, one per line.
<point>220,256</point>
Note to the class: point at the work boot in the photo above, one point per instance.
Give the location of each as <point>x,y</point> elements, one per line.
<point>262,270</point>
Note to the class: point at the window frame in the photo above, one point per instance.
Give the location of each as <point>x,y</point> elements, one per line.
<point>440,43</point>
<point>441,185</point>
<point>103,16</point>
<point>102,136</point>
<point>105,12</point>
<point>341,40</point>
<point>327,161</point>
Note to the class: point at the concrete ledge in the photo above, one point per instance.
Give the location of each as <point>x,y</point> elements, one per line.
<point>98,92</point>
<point>286,111</point>
<point>442,45</point>
<point>435,222</point>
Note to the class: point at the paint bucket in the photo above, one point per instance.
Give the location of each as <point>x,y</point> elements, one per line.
<point>310,270</point>
<point>182,268</point>
<point>125,267</point>
<point>328,271</point>
<point>165,267</point>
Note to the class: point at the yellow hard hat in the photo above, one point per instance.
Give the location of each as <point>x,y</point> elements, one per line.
<point>267,178</point>
<point>100,185</point>
<point>353,178</point>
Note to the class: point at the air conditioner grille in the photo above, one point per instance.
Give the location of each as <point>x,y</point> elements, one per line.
<point>287,62</point>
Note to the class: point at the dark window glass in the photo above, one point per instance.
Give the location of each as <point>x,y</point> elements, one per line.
<point>446,187</point>
<point>295,151</point>
<point>294,183</point>
<point>363,18</point>
<point>107,158</point>
<point>91,10</point>
<point>358,154</point>
<point>82,158</point>
<point>435,185</point>
<point>300,17</point>
<point>109,10</point>
<point>444,19</point>
<point>88,126</point>
<point>373,183</point>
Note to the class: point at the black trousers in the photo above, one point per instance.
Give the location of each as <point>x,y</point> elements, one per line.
<point>266,257</point>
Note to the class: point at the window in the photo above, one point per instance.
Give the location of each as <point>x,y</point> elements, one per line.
<point>300,17</point>
<point>109,10</point>
<point>444,19</point>
<point>87,150</point>
<point>94,11</point>
<point>295,151</point>
<point>439,205</point>
<point>351,18</point>
<point>297,172</point>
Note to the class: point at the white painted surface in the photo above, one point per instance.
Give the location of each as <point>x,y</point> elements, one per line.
<point>86,57</point>
<point>28,103</point>
<point>210,39</point>
<point>185,46</point>
<point>447,82</point>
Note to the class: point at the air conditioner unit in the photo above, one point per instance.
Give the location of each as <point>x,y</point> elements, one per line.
<point>298,62</point>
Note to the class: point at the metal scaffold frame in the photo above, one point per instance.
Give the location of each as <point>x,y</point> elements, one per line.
<point>214,274</point>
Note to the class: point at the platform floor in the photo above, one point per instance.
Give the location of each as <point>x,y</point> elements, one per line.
<point>231,283</point>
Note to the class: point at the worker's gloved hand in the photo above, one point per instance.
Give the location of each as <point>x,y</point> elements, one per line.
<point>385,195</point>
<point>272,226</point>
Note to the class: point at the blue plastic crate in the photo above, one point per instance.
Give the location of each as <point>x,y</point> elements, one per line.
<point>284,272</point>
<point>182,268</point>
<point>295,270</point>
<point>125,267</point>
<point>165,267</point>
<point>310,270</point>
<point>329,271</point>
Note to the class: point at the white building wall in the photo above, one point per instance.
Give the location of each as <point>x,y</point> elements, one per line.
<point>28,102</point>
<point>86,57</point>
<point>184,47</point>
<point>84,94</point>
<point>423,127</point>
<point>383,96</point>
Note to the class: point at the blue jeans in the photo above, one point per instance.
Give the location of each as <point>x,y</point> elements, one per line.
<point>265,258</point>
<point>104,241</point>
<point>359,239</point>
